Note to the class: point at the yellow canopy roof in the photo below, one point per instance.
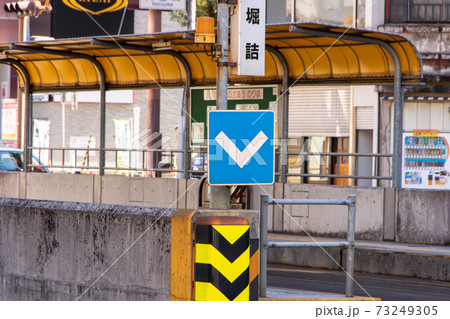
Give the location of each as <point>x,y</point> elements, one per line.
<point>152,60</point>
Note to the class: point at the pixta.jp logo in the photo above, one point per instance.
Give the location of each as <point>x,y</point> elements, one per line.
<point>96,7</point>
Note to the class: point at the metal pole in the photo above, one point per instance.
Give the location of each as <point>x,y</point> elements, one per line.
<point>187,121</point>
<point>102,126</point>
<point>264,200</point>
<point>220,195</point>
<point>63,118</point>
<point>398,124</point>
<point>27,126</point>
<point>285,108</point>
<point>153,111</point>
<point>351,246</point>
<point>20,115</point>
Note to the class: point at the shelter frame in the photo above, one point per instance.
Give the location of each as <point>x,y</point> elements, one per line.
<point>298,53</point>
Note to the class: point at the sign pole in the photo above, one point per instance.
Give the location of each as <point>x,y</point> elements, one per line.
<point>220,195</point>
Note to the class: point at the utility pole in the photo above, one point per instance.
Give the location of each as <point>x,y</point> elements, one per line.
<point>24,30</point>
<point>153,105</point>
<point>220,195</point>
<point>192,14</point>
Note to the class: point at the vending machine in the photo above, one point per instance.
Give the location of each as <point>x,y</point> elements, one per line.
<point>425,160</point>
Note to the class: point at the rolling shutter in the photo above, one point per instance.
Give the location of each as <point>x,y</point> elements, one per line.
<point>364,118</point>
<point>319,111</point>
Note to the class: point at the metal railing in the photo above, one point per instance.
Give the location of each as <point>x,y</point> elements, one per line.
<point>265,201</point>
<point>331,165</point>
<point>118,160</point>
<point>327,165</point>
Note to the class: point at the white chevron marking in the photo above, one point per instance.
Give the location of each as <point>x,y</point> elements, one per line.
<point>241,158</point>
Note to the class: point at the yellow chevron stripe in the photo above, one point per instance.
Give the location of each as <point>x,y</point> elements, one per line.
<point>254,265</point>
<point>205,291</point>
<point>207,254</point>
<point>231,232</point>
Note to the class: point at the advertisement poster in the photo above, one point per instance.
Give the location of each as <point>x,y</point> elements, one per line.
<point>426,161</point>
<point>41,138</point>
<point>9,120</point>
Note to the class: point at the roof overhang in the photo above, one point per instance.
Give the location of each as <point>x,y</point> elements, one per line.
<point>315,53</point>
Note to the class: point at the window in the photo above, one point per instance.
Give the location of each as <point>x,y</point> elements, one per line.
<point>319,161</point>
<point>323,11</point>
<point>409,11</point>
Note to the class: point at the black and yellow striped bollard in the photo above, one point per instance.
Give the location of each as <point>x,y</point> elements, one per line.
<point>222,258</point>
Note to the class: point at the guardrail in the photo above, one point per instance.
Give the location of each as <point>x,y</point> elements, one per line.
<point>326,160</point>
<point>117,159</point>
<point>265,201</point>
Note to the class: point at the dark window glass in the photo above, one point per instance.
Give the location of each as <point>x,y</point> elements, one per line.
<point>401,11</point>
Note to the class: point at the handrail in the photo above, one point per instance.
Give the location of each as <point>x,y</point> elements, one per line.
<point>264,244</point>
<point>59,156</point>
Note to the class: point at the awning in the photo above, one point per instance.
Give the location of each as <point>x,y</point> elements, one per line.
<point>314,53</point>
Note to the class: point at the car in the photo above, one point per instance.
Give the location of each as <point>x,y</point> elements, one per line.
<point>11,159</point>
<point>199,165</point>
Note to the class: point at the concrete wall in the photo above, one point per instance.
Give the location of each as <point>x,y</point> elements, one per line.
<point>109,189</point>
<point>57,250</point>
<point>423,216</point>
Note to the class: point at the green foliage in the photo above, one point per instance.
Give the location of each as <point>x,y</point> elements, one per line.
<point>205,8</point>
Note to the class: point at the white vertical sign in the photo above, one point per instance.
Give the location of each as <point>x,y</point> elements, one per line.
<point>41,138</point>
<point>249,36</point>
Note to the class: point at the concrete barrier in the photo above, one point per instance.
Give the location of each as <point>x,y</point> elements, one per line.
<point>10,184</point>
<point>413,216</point>
<point>69,251</point>
<point>63,187</point>
<point>423,216</point>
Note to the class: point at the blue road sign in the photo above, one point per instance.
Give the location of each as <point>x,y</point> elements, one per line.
<point>241,148</point>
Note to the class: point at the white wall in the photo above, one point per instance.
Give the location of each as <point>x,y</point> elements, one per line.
<point>374,16</point>
<point>426,115</point>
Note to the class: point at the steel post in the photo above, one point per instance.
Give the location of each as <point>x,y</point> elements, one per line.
<point>285,108</point>
<point>220,195</point>
<point>27,129</point>
<point>350,271</point>
<point>102,145</point>
<point>264,201</point>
